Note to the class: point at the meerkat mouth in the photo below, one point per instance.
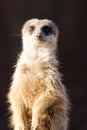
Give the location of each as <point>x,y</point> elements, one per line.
<point>40,40</point>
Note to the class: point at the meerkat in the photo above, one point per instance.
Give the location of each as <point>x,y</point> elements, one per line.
<point>37,98</point>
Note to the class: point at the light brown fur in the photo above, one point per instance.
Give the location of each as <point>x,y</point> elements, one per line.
<point>37,98</point>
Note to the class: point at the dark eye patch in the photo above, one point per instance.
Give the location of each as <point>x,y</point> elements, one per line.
<point>31,28</point>
<point>47,30</point>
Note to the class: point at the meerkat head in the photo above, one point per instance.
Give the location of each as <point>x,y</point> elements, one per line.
<point>39,34</point>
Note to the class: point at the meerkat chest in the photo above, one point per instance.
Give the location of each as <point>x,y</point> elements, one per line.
<point>34,78</point>
<point>34,70</point>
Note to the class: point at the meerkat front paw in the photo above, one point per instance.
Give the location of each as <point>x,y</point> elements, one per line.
<point>35,127</point>
<point>42,122</point>
<point>35,123</point>
<point>36,120</point>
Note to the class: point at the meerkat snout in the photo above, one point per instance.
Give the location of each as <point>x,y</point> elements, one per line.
<point>39,37</point>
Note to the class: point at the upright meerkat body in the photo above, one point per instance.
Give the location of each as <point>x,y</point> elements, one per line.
<point>38,100</point>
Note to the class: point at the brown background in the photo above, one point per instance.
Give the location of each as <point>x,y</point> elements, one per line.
<point>71,18</point>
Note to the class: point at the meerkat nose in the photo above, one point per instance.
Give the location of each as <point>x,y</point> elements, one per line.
<point>39,36</point>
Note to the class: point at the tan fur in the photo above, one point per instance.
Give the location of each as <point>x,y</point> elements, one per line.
<point>37,98</point>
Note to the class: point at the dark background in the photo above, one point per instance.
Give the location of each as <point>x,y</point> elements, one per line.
<point>71,18</point>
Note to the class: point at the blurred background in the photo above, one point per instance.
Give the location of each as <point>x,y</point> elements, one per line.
<point>71,18</point>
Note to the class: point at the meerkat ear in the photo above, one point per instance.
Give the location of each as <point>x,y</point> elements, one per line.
<point>55,29</point>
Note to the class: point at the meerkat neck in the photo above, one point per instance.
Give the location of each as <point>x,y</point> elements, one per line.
<point>39,54</point>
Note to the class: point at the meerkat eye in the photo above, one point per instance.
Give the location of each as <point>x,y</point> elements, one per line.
<point>47,30</point>
<point>31,28</point>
